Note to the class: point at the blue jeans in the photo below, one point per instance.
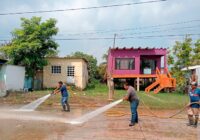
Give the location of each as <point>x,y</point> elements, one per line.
<point>64,100</point>
<point>134,114</point>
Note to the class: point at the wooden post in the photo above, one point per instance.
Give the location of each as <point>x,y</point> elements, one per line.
<point>165,61</point>
<point>138,84</point>
<point>111,89</point>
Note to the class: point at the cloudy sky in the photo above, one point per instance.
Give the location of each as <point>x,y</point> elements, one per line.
<point>147,24</point>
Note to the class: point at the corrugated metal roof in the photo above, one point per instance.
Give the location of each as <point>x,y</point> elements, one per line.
<point>57,57</point>
<point>137,48</point>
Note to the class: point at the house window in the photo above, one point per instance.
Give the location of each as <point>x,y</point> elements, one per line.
<point>70,71</point>
<point>125,63</point>
<point>55,69</point>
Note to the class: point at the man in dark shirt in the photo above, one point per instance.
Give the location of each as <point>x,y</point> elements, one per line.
<point>193,109</point>
<point>134,102</point>
<point>64,100</point>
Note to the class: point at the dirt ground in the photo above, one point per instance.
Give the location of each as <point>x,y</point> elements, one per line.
<point>48,124</point>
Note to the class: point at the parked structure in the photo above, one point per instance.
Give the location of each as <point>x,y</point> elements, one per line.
<point>11,78</point>
<point>70,70</point>
<point>139,63</point>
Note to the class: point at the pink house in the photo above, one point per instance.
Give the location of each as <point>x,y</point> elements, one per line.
<point>141,66</point>
<point>136,62</point>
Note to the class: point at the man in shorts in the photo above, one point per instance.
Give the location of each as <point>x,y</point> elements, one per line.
<point>193,109</point>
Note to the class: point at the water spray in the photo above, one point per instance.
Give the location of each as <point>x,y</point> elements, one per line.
<point>94,113</point>
<point>33,105</point>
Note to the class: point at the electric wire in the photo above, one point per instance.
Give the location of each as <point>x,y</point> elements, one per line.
<point>122,38</point>
<point>81,8</point>
<point>137,28</point>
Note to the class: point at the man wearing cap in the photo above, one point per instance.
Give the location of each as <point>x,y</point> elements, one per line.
<point>193,109</point>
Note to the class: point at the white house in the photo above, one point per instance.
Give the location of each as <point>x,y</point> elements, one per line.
<point>11,78</point>
<point>196,68</point>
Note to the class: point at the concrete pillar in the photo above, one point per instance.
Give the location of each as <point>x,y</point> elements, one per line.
<point>138,84</point>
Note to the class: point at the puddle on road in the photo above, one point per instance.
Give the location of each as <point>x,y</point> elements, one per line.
<point>32,116</point>
<point>26,113</point>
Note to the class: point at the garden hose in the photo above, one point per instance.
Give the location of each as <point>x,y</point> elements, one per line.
<point>171,116</point>
<point>117,113</point>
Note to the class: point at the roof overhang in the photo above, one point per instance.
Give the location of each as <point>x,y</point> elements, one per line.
<point>190,68</point>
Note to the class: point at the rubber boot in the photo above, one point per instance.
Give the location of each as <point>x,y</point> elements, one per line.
<point>131,124</point>
<point>191,120</point>
<point>196,121</point>
<point>68,106</point>
<point>64,108</point>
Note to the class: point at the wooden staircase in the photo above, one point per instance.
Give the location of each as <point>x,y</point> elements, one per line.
<point>164,80</point>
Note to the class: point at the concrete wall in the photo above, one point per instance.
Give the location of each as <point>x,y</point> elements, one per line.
<point>198,74</point>
<point>85,74</point>
<point>14,77</point>
<point>51,79</point>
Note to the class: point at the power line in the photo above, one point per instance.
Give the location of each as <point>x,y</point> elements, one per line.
<point>140,28</point>
<point>134,33</point>
<point>155,31</point>
<point>165,30</point>
<point>160,36</point>
<point>81,8</point>
<point>121,38</point>
<point>128,37</point>
<point>137,28</point>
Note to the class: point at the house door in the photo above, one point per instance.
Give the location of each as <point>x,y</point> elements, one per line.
<point>148,66</point>
<point>70,74</point>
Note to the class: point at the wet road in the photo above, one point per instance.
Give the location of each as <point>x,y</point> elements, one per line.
<point>101,127</point>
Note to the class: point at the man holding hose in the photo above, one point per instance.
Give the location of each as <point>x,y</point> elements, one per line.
<point>193,109</point>
<point>134,102</point>
<point>61,88</point>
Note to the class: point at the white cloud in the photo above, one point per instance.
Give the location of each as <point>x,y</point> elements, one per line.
<point>101,19</point>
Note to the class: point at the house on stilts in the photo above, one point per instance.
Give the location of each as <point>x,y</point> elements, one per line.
<point>142,67</point>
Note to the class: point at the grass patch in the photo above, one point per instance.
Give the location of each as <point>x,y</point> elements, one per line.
<point>162,101</point>
<point>100,92</point>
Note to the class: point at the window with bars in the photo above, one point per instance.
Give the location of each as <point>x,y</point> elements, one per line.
<point>125,63</point>
<point>70,71</point>
<point>55,69</point>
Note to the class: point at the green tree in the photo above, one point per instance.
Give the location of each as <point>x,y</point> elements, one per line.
<point>196,56</point>
<point>31,43</point>
<point>92,66</point>
<point>170,59</point>
<point>101,70</point>
<point>183,53</point>
<point>181,56</point>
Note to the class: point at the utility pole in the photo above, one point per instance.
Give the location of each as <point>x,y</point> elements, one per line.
<point>114,40</point>
<point>110,81</point>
